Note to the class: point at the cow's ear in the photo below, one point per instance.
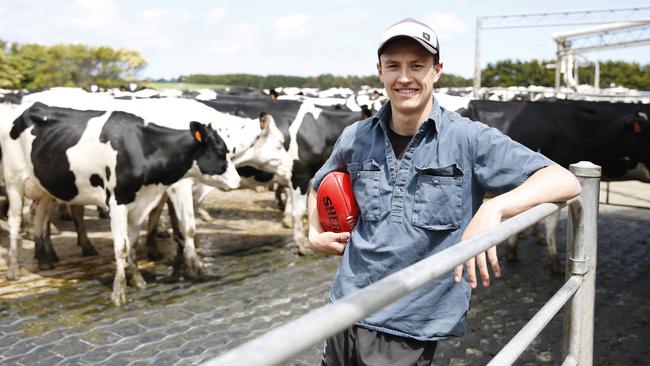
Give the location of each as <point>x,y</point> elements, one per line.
<point>638,123</point>
<point>198,131</point>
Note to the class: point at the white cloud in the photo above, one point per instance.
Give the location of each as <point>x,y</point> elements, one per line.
<point>215,15</point>
<point>292,26</point>
<point>230,46</point>
<point>155,13</point>
<point>348,18</point>
<point>446,25</point>
<point>246,28</point>
<point>3,11</point>
<point>92,14</point>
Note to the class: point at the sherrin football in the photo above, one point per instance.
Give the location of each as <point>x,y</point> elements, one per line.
<point>337,207</point>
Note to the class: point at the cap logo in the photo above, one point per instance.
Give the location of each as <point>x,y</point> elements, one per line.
<point>426,36</point>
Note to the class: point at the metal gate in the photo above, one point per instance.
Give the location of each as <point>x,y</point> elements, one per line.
<point>284,342</point>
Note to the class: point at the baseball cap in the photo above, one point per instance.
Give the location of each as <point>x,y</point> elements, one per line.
<point>409,27</point>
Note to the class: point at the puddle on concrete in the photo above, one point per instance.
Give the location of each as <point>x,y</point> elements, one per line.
<point>243,245</point>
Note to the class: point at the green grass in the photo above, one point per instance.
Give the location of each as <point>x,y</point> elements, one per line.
<point>183,86</point>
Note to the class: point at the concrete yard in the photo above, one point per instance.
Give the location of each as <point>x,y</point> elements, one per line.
<point>256,281</point>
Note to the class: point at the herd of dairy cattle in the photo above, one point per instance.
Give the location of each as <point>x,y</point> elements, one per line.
<point>130,156</point>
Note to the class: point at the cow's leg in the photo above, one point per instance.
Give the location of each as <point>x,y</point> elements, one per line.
<point>537,234</point>
<point>199,193</point>
<point>180,196</point>
<point>87,248</point>
<point>134,277</point>
<point>48,227</point>
<point>153,252</point>
<point>281,197</point>
<point>102,212</point>
<point>64,212</point>
<point>511,249</point>
<point>4,210</point>
<point>180,267</point>
<point>287,218</point>
<point>52,229</point>
<point>43,251</point>
<point>49,247</point>
<point>27,214</point>
<point>177,233</point>
<point>203,214</point>
<point>551,230</point>
<point>122,246</point>
<point>299,208</point>
<point>14,218</point>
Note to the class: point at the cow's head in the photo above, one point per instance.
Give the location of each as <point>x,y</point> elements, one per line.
<point>637,136</point>
<point>266,151</point>
<point>638,123</point>
<point>211,156</point>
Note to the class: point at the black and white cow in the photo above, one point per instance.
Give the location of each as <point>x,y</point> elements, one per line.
<point>251,143</point>
<point>110,159</point>
<point>310,133</point>
<point>615,136</point>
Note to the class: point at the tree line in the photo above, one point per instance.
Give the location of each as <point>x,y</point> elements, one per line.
<point>34,66</point>
<point>508,73</point>
<point>323,81</point>
<point>499,74</point>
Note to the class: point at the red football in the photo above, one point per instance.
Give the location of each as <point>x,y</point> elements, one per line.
<point>337,207</point>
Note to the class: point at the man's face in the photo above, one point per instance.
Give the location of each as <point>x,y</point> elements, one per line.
<point>408,74</point>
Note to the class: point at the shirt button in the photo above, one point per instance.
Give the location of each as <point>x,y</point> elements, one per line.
<point>392,167</point>
<point>399,189</point>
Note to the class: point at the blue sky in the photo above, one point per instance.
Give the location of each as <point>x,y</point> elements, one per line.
<point>287,37</point>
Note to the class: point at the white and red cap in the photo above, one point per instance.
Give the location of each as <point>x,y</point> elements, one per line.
<point>409,27</point>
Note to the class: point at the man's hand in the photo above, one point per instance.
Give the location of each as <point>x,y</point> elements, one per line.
<point>486,217</point>
<point>482,268</point>
<point>328,242</point>
<point>325,242</point>
<point>550,184</point>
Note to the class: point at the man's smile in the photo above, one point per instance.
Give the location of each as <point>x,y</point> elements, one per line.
<point>406,92</point>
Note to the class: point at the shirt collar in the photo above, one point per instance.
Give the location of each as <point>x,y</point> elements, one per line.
<point>383,116</point>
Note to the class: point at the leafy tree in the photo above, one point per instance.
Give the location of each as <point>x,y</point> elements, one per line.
<point>512,73</point>
<point>322,81</point>
<point>36,66</point>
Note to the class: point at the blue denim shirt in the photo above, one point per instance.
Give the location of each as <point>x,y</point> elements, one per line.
<point>418,206</point>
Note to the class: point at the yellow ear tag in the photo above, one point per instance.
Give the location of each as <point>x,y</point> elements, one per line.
<point>197,136</point>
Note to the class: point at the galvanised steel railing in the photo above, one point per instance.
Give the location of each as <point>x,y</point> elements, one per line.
<point>284,342</point>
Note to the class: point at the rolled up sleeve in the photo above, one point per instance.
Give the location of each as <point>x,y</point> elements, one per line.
<point>502,164</point>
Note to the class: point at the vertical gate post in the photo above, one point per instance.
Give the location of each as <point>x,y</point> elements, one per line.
<point>582,238</point>
<point>477,57</point>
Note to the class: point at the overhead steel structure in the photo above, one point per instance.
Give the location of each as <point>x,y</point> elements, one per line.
<point>631,29</point>
<point>610,36</point>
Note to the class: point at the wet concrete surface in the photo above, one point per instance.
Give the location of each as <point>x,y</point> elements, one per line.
<point>255,281</point>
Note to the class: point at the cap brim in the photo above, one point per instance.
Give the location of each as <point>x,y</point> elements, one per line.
<point>421,41</point>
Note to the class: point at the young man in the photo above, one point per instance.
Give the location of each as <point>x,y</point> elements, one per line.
<point>419,174</point>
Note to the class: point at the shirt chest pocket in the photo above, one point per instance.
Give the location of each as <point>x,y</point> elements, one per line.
<point>365,184</point>
<point>438,198</point>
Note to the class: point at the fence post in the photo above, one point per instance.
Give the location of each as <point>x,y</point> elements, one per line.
<point>582,238</point>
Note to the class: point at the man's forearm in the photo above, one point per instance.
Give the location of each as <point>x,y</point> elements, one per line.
<point>312,214</point>
<point>549,184</point>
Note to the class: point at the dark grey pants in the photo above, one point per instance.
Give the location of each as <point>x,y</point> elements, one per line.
<point>359,346</point>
